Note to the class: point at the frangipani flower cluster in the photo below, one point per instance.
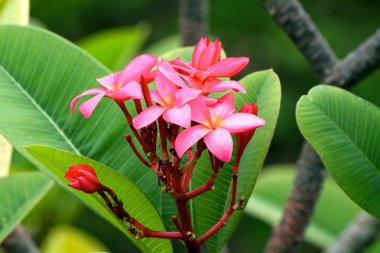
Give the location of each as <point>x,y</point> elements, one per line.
<point>178,103</point>
<point>182,98</point>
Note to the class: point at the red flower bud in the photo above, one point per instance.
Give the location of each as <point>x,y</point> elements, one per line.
<point>243,138</point>
<point>83,178</point>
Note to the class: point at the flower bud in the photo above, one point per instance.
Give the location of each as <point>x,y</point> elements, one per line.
<point>243,138</point>
<point>83,178</point>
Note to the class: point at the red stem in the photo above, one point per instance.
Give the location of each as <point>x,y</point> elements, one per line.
<point>146,93</point>
<point>119,210</point>
<point>137,153</point>
<point>162,128</point>
<point>186,179</point>
<point>191,243</point>
<point>221,222</point>
<point>204,188</point>
<point>129,120</point>
<point>138,105</point>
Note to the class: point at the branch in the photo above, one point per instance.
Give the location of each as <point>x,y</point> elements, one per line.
<point>300,205</point>
<point>358,64</point>
<point>193,20</point>
<point>358,236</point>
<point>19,242</point>
<point>309,180</point>
<point>293,19</point>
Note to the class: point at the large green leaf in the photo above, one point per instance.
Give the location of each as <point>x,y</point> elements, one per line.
<point>117,46</point>
<point>14,12</point>
<point>270,195</point>
<point>19,193</point>
<point>345,131</point>
<point>263,88</point>
<point>135,202</point>
<point>40,73</point>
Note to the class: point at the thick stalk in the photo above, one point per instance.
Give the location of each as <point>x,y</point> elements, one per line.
<point>358,236</point>
<point>193,20</point>
<point>19,242</point>
<point>190,240</point>
<point>310,174</point>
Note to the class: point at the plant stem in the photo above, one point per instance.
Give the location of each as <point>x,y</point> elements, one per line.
<point>122,214</point>
<point>130,123</point>
<point>137,153</point>
<point>190,240</point>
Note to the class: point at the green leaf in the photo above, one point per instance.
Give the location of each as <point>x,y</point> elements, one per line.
<point>186,54</point>
<point>267,203</point>
<point>117,46</point>
<point>135,202</point>
<point>19,193</point>
<point>164,45</point>
<point>40,73</point>
<point>14,12</point>
<point>263,88</point>
<point>345,131</point>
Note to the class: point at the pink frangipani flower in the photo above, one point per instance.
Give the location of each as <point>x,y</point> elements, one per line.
<point>172,104</point>
<point>118,86</point>
<point>206,67</point>
<point>216,124</point>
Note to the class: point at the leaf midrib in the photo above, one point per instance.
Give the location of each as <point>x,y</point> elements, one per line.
<point>345,135</point>
<point>42,111</point>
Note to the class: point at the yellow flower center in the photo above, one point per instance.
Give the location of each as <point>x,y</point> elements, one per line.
<point>217,121</point>
<point>116,86</point>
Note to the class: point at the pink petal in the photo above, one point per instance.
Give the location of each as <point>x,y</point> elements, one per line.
<point>241,122</point>
<point>185,95</point>
<point>178,115</point>
<point>193,79</point>
<point>218,46</point>
<point>156,97</point>
<point>166,88</point>
<point>228,67</point>
<point>198,50</point>
<point>210,55</point>
<point>189,137</point>
<point>89,106</point>
<point>87,92</point>
<point>148,116</point>
<point>208,101</point>
<point>110,80</point>
<point>213,85</point>
<point>139,66</point>
<point>224,107</point>
<point>219,142</point>
<point>185,68</point>
<point>200,113</point>
<point>131,90</point>
<point>168,71</point>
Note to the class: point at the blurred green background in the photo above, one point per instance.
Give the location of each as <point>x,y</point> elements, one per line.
<point>114,31</point>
